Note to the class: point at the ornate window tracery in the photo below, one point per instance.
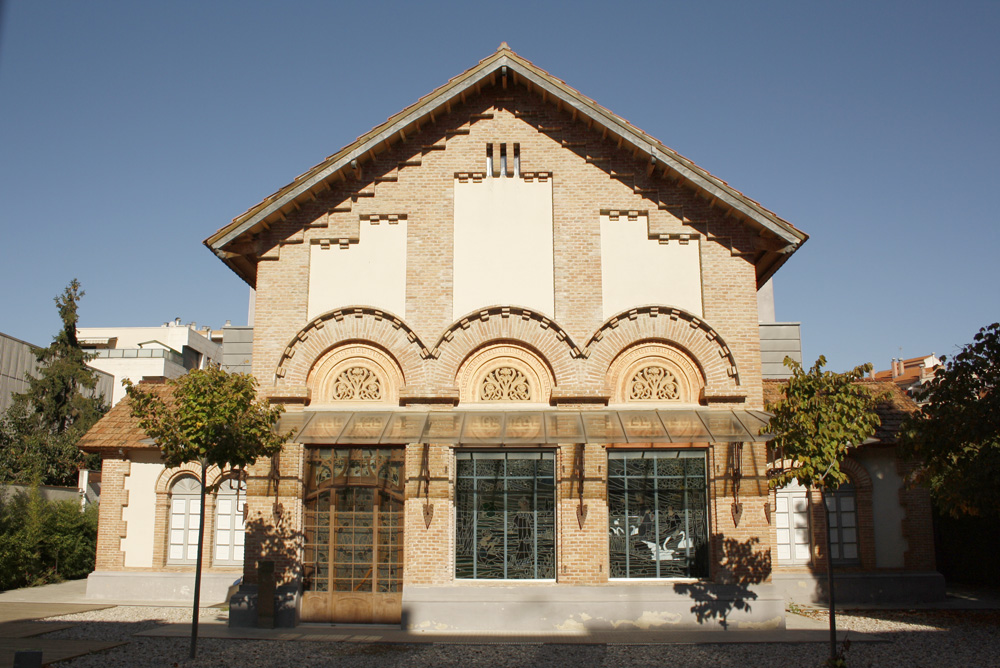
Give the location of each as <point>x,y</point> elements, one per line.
<point>654,371</point>
<point>505,384</point>
<point>653,383</point>
<point>357,383</point>
<point>502,373</point>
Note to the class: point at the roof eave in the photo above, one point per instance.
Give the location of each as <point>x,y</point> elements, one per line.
<point>568,96</point>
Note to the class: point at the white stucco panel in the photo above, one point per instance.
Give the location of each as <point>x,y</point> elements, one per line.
<point>371,272</point>
<point>636,270</point>
<point>140,513</point>
<point>503,245</point>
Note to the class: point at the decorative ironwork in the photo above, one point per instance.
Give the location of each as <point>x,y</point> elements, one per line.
<point>658,524</point>
<point>653,383</point>
<point>505,384</point>
<point>505,516</point>
<point>357,383</point>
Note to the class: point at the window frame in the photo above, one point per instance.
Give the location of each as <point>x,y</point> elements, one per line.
<point>692,555</point>
<point>192,521</point>
<point>505,455</point>
<point>237,528</point>
<point>836,529</point>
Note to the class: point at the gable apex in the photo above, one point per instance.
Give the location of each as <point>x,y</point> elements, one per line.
<point>505,67</point>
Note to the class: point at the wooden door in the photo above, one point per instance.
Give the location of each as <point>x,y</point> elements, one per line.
<point>354,537</point>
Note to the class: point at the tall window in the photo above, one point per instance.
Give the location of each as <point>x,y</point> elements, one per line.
<point>185,509</point>
<point>229,529</point>
<point>505,516</point>
<point>842,520</point>
<point>791,519</point>
<point>658,526</point>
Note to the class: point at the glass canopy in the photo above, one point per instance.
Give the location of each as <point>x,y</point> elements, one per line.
<point>516,427</point>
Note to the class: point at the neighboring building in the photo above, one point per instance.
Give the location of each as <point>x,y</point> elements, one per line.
<point>910,374</point>
<point>237,347</point>
<point>778,340</point>
<point>519,342</point>
<point>18,361</point>
<point>881,533</point>
<point>167,351</point>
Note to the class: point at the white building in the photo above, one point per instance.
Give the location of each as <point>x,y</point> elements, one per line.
<point>168,351</point>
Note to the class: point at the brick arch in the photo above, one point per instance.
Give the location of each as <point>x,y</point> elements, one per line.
<point>858,474</point>
<point>514,325</point>
<point>168,477</point>
<point>672,326</point>
<point>355,324</point>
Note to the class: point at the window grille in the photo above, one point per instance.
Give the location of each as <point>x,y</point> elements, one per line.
<point>505,516</point>
<point>657,514</point>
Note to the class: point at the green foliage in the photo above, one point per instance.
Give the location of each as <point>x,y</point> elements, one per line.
<point>821,415</point>
<point>44,541</point>
<point>213,417</point>
<point>956,436</point>
<point>39,432</point>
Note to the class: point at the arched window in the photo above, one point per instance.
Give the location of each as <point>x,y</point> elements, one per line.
<point>185,509</point>
<point>842,521</point>
<point>229,528</point>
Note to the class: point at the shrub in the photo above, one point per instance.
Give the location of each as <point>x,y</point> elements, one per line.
<point>44,541</point>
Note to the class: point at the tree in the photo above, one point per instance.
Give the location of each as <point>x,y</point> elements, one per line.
<point>39,432</point>
<point>821,416</point>
<point>213,418</point>
<point>956,435</point>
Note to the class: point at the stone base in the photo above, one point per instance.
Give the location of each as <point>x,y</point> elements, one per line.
<point>862,588</point>
<point>160,587</point>
<point>544,608</point>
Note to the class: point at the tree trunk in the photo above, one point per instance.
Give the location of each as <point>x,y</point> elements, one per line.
<point>197,567</point>
<point>829,584</point>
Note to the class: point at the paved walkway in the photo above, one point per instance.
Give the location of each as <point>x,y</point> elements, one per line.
<point>21,612</point>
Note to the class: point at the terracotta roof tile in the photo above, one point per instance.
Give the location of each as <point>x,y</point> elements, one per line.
<point>118,429</point>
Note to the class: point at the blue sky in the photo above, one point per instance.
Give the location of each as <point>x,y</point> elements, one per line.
<point>130,131</point>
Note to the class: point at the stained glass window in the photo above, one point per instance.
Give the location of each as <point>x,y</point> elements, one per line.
<point>658,524</point>
<point>354,520</point>
<point>505,516</point>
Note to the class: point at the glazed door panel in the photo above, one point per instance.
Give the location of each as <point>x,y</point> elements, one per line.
<point>354,536</point>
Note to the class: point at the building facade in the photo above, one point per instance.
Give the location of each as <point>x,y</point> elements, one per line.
<point>518,341</point>
<point>167,351</point>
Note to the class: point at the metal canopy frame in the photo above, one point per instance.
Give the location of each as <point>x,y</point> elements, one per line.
<point>527,427</point>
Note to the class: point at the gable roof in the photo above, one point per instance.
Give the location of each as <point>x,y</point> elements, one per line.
<point>504,62</point>
<point>896,407</point>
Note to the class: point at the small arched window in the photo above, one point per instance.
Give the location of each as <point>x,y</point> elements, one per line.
<point>229,528</point>
<point>185,515</point>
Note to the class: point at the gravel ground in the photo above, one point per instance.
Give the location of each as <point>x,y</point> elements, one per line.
<point>933,638</point>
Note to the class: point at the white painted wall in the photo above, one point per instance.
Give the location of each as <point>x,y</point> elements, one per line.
<point>890,546</point>
<point>135,369</point>
<point>371,272</point>
<point>636,270</point>
<point>503,245</point>
<point>140,513</point>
